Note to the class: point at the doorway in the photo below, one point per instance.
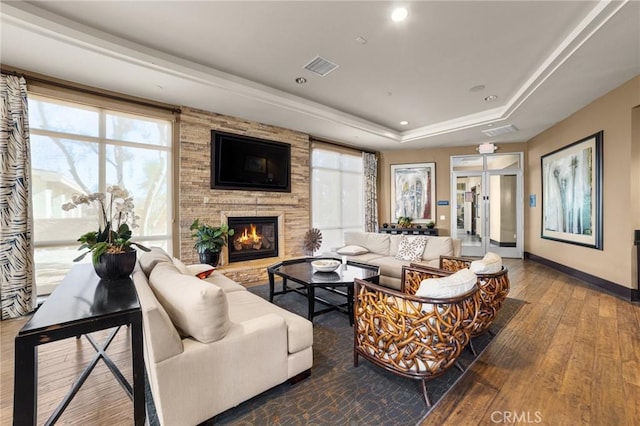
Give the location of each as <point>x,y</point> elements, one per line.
<point>487,194</point>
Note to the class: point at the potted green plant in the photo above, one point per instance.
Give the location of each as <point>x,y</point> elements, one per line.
<point>110,246</point>
<point>404,222</point>
<point>209,241</point>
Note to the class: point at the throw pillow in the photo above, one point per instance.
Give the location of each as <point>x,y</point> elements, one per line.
<point>411,248</point>
<point>196,308</point>
<point>491,263</point>
<point>205,274</point>
<point>149,259</point>
<point>353,250</point>
<point>449,286</point>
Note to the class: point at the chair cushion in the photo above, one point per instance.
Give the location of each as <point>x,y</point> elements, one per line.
<point>491,263</point>
<point>196,308</point>
<point>411,248</point>
<point>353,250</point>
<point>437,246</point>
<point>149,259</point>
<point>449,286</point>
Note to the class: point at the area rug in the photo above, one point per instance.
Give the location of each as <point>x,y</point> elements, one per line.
<point>337,393</point>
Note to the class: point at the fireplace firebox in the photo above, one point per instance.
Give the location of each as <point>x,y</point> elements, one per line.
<point>255,237</point>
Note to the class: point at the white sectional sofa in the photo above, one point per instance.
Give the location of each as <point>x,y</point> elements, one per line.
<point>382,250</point>
<point>209,343</point>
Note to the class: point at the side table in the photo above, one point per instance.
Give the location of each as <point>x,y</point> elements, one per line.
<point>81,304</point>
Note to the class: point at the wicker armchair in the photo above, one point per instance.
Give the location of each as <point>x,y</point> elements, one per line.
<point>415,337</point>
<point>493,290</point>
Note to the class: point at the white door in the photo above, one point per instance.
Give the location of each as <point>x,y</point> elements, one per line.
<point>487,204</point>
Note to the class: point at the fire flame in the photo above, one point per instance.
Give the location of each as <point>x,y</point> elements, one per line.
<point>252,237</point>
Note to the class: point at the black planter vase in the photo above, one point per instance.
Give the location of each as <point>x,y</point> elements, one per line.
<point>210,257</point>
<point>115,266</point>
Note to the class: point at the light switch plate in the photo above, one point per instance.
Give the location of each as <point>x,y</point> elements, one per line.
<point>442,217</point>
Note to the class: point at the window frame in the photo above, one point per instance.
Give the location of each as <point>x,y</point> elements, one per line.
<point>105,107</point>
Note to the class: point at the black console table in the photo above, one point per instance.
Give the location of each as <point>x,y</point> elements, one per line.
<point>409,231</point>
<point>81,304</point>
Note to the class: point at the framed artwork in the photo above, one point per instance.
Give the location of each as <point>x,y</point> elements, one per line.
<point>572,193</point>
<point>413,192</point>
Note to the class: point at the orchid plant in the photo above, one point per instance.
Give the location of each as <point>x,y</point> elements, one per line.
<point>115,220</point>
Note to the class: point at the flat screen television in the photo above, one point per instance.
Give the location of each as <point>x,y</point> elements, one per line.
<point>250,164</point>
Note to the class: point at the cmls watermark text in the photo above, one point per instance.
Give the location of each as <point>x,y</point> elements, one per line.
<point>514,417</point>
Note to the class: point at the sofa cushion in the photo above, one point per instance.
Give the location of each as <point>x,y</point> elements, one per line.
<point>197,308</point>
<point>226,284</point>
<point>244,305</point>
<point>411,248</point>
<point>148,260</point>
<point>352,250</point>
<point>394,244</point>
<point>181,266</point>
<point>449,286</point>
<point>389,266</point>
<point>366,258</point>
<point>376,243</point>
<point>436,247</point>
<point>491,263</point>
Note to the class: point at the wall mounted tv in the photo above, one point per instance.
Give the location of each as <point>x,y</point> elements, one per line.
<point>250,164</point>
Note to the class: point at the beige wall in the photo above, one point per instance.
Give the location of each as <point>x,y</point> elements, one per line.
<point>635,185</point>
<point>440,156</point>
<point>613,114</point>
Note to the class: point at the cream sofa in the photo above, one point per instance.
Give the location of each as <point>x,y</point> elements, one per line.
<point>381,250</point>
<point>210,344</point>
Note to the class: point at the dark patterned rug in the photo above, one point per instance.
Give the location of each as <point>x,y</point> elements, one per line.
<point>337,393</point>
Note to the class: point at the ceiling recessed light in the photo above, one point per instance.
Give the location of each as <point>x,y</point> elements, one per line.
<point>301,80</point>
<point>490,98</point>
<point>399,14</point>
<point>404,123</point>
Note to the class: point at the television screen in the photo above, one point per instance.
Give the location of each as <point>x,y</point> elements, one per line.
<point>241,162</point>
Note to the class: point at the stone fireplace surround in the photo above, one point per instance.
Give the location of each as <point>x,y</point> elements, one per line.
<point>213,206</point>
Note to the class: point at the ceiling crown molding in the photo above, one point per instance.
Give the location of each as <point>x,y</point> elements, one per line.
<point>39,21</point>
<point>599,15</point>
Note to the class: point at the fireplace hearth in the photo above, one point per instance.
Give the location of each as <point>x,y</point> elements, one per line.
<point>255,237</point>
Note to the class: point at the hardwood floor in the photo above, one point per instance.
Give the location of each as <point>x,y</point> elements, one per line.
<point>570,356</point>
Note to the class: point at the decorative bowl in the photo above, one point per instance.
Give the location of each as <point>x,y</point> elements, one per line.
<point>325,265</point>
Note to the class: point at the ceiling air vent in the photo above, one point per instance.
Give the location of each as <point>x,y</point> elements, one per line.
<point>497,131</point>
<point>320,66</point>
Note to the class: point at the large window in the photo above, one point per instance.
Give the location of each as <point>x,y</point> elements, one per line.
<point>337,195</point>
<point>77,148</point>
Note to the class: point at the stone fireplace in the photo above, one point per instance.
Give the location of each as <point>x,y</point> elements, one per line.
<point>215,206</point>
<point>255,237</point>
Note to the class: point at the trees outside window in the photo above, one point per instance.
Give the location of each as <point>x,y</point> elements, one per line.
<point>76,148</point>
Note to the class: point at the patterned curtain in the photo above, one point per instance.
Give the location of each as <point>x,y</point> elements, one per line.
<point>370,163</point>
<point>17,289</point>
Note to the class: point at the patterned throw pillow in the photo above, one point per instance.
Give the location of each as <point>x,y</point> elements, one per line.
<point>205,274</point>
<point>411,248</point>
